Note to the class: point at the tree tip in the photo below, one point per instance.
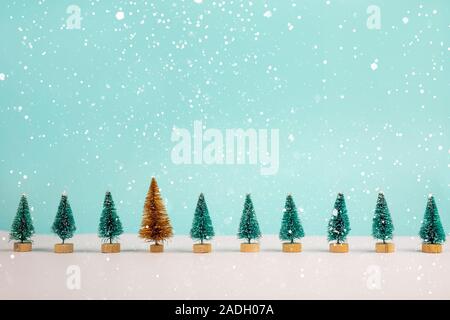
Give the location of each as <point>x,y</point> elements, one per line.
<point>430,195</point>
<point>64,193</point>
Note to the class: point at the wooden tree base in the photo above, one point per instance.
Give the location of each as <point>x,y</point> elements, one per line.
<point>381,247</point>
<point>64,248</point>
<point>292,247</point>
<point>22,246</point>
<point>110,247</point>
<point>249,247</point>
<point>431,248</point>
<point>339,247</point>
<point>202,248</point>
<point>156,248</point>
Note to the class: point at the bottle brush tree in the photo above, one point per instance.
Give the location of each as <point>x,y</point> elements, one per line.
<point>291,227</point>
<point>64,224</point>
<point>432,231</point>
<point>155,224</point>
<point>382,226</point>
<point>110,227</point>
<point>339,224</point>
<point>202,228</point>
<point>249,227</point>
<point>22,227</point>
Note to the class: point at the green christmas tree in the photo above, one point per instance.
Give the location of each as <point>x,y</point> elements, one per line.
<point>339,224</point>
<point>382,227</point>
<point>291,227</point>
<point>202,228</point>
<point>249,227</point>
<point>22,228</point>
<point>110,227</point>
<point>432,231</point>
<point>64,224</point>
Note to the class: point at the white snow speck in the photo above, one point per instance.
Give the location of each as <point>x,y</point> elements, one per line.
<point>120,15</point>
<point>268,14</point>
<point>290,26</point>
<point>405,20</point>
<point>198,1</point>
<point>291,137</point>
<point>440,148</point>
<point>374,66</point>
<point>12,256</point>
<point>2,76</point>
<point>25,177</point>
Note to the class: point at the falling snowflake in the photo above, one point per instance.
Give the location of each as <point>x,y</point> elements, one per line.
<point>268,14</point>
<point>291,137</point>
<point>120,15</point>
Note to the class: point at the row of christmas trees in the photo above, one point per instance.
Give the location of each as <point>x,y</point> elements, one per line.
<point>156,226</point>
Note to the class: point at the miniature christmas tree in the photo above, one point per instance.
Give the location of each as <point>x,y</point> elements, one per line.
<point>22,228</point>
<point>202,228</point>
<point>339,224</point>
<point>291,227</point>
<point>64,224</point>
<point>432,231</point>
<point>155,221</point>
<point>249,227</point>
<point>110,227</point>
<point>382,227</point>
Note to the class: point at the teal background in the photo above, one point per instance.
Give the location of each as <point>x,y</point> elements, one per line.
<point>92,110</point>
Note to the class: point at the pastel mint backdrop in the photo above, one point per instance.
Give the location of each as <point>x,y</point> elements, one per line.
<point>91,110</point>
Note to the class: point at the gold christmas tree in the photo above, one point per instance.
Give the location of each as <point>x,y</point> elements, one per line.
<point>155,221</point>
